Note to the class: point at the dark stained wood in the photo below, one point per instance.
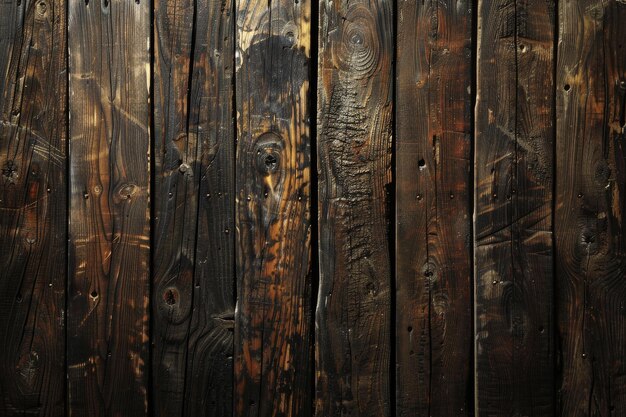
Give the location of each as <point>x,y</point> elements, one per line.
<point>513,209</point>
<point>273,365</point>
<point>590,201</point>
<point>33,134</point>
<point>209,387</point>
<point>433,252</point>
<point>177,170</point>
<point>353,313</point>
<point>109,215</point>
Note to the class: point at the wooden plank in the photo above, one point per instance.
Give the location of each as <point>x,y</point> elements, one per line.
<point>590,199</point>
<point>109,210</point>
<point>177,170</point>
<point>33,138</point>
<point>273,364</point>
<point>353,313</point>
<point>209,385</point>
<point>513,209</point>
<point>433,194</point>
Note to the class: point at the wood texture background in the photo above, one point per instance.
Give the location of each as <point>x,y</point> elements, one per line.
<point>288,208</point>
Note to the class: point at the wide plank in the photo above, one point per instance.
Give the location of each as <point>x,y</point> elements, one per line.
<point>109,242</point>
<point>273,362</point>
<point>590,196</point>
<point>354,149</point>
<point>33,142</point>
<point>433,208</point>
<point>514,347</point>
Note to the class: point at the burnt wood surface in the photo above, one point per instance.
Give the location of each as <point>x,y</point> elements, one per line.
<point>33,217</point>
<point>590,201</point>
<point>273,362</point>
<point>209,378</point>
<point>354,148</point>
<point>192,258</point>
<point>433,212</point>
<point>513,264</point>
<point>364,208</point>
<point>109,231</point>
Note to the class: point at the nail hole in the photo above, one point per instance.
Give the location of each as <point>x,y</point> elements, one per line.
<point>566,87</point>
<point>94,294</point>
<point>421,164</point>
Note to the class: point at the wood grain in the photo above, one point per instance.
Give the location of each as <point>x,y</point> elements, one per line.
<point>109,213</point>
<point>33,139</point>
<point>513,209</point>
<point>272,322</point>
<point>433,194</point>
<point>353,313</point>
<point>590,200</point>
<point>209,387</point>
<point>175,201</point>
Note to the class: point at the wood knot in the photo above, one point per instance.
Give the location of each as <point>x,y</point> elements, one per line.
<point>126,191</point>
<point>358,49</point>
<point>42,8</point>
<point>183,168</point>
<point>170,296</point>
<point>269,148</point>
<point>9,171</point>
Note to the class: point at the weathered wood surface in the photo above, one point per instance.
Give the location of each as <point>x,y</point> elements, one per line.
<point>433,195</point>
<point>175,200</point>
<point>354,148</point>
<point>209,386</point>
<point>513,209</point>
<point>273,363</point>
<point>216,100</point>
<point>193,258</point>
<point>32,207</point>
<point>590,201</point>
<point>210,347</point>
<point>109,242</point>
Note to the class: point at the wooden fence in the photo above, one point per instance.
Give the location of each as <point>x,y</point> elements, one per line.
<point>364,208</point>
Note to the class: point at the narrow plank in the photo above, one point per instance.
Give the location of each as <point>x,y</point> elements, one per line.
<point>590,199</point>
<point>209,388</point>
<point>273,364</point>
<point>513,209</point>
<point>175,200</point>
<point>433,194</point>
<point>109,207</point>
<point>353,312</point>
<point>33,191</point>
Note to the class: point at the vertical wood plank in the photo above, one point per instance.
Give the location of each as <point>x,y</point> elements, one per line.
<point>272,343</point>
<point>109,214</point>
<point>354,165</point>
<point>513,215</point>
<point>209,387</point>
<point>433,226</point>
<point>32,207</point>
<point>175,200</point>
<point>590,199</point>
